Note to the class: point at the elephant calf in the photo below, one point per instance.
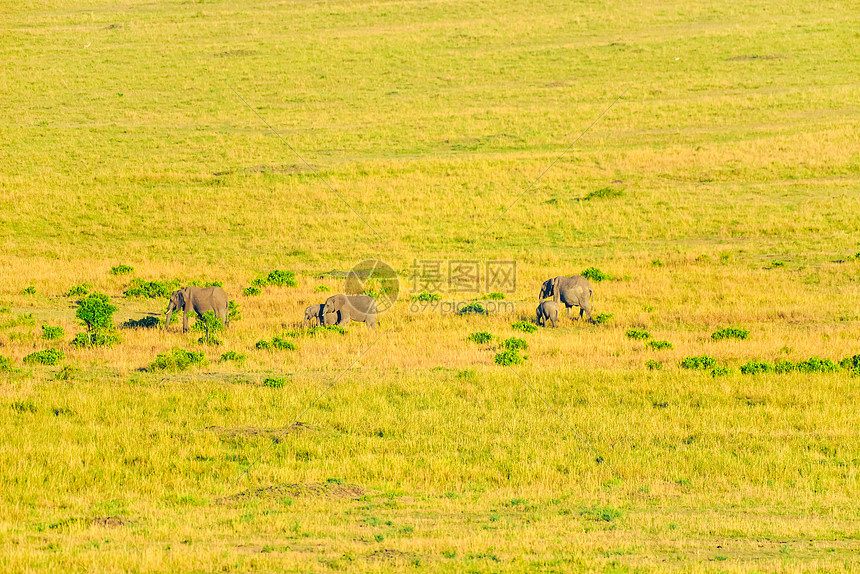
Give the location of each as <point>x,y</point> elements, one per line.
<point>547,310</point>
<point>361,308</point>
<point>315,317</point>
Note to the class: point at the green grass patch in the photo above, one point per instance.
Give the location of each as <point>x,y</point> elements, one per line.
<point>604,193</point>
<point>52,333</point>
<point>720,371</point>
<point>639,334</point>
<point>5,364</point>
<point>494,296</point>
<point>233,356</point>
<point>601,513</point>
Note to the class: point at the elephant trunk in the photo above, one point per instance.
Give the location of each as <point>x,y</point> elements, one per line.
<point>169,313</point>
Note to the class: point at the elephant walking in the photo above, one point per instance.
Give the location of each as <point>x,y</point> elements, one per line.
<point>201,300</point>
<point>547,310</point>
<point>361,308</point>
<point>572,291</point>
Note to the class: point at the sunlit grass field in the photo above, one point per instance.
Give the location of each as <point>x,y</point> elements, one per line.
<point>706,157</point>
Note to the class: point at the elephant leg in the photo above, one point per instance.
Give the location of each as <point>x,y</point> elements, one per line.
<point>569,316</point>
<point>185,322</point>
<point>585,307</point>
<point>344,319</point>
<point>370,321</point>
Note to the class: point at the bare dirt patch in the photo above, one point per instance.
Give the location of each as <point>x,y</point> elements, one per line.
<point>334,490</point>
<point>391,555</point>
<point>110,521</point>
<point>275,433</point>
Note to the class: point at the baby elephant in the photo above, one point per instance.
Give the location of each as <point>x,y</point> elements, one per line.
<point>547,310</point>
<point>314,316</point>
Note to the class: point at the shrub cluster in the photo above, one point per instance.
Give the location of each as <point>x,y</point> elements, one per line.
<point>473,308</point>
<point>274,382</point>
<point>755,367</point>
<point>151,289</point>
<point>811,365</point>
<point>45,357</point>
<point>276,343</point>
<point>508,357</point>
<point>638,334</point>
<point>658,345</point>
<point>425,297</point>
<point>52,333</point>
<point>251,291</point>
<point>176,360</point>
<point>730,333</point>
<point>595,274</point>
<point>699,363</point>
<point>121,270</point>
<point>524,326</point>
<point>515,344</point>
<point>5,363</point>
<point>720,372</point>
<point>480,337</point>
<point>200,283</point>
<point>277,278</point>
<point>234,356</point>
<point>654,365</point>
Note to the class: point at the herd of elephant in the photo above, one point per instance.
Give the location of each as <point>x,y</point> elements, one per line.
<point>341,309</point>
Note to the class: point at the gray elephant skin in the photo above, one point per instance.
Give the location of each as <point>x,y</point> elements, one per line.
<point>361,308</point>
<point>573,291</point>
<point>314,316</point>
<point>201,300</point>
<point>547,310</point>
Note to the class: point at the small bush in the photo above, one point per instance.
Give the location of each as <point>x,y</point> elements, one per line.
<point>263,345</point>
<point>658,345</point>
<point>234,356</point>
<point>121,270</point>
<point>699,363</point>
<point>755,367</point>
<point>233,312</point>
<point>495,296</point>
<point>816,365</point>
<point>45,357</point>
<point>480,337</point>
<point>52,333</point>
<point>251,291</point>
<point>654,365</point>
<point>209,324</point>
<point>274,382</point>
<point>514,343</point>
<point>425,297</point>
<point>638,334</point>
<point>602,318</point>
<point>80,290</point>
<point>150,289</point>
<point>783,366</point>
<point>280,278</point>
<point>595,274</point>
<point>508,357</point>
<point>321,289</point>
<point>850,363</point>
<point>5,363</point>
<point>730,333</point>
<point>29,291</point>
<point>176,360</point>
<point>149,322</point>
<point>66,373</point>
<point>720,372</point>
<point>775,264</point>
<point>283,344</point>
<point>603,193</point>
<point>524,326</point>
<point>200,283</point>
<point>95,339</point>
<point>472,308</point>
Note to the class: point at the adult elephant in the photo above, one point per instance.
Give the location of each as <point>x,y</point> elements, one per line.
<point>201,300</point>
<point>572,291</point>
<point>361,308</point>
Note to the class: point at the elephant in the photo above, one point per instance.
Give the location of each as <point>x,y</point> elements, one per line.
<point>361,308</point>
<point>201,300</point>
<point>314,316</point>
<point>547,310</point>
<point>571,291</point>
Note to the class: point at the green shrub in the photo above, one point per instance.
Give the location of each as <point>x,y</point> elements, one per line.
<point>251,291</point>
<point>121,270</point>
<point>494,296</point>
<point>472,308</point>
<point>755,367</point>
<point>5,363</point>
<point>658,345</point>
<point>29,291</point>
<point>783,366</point>
<point>52,333</point>
<point>149,322</point>
<point>80,290</point>
<point>700,363</point>
<point>730,333</point>
<point>816,365</point>
<point>602,318</point>
<point>654,365</point>
<point>280,278</point>
<point>234,356</point>
<point>283,344</point>
<point>151,289</point>
<point>638,334</point>
<point>514,343</point>
<point>106,339</point>
<point>274,382</point>
<point>480,337</point>
<point>850,363</point>
<point>595,274</point>
<point>176,360</point>
<point>603,193</point>
<point>200,283</point>
<point>209,324</point>
<point>425,297</point>
<point>263,345</point>
<point>720,372</point>
<point>524,326</point>
<point>44,357</point>
<point>508,357</point>
<point>775,264</point>
<point>321,289</point>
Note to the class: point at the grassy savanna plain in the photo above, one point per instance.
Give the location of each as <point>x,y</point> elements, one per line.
<point>135,133</point>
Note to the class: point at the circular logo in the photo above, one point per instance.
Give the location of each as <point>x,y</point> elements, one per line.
<point>375,278</point>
